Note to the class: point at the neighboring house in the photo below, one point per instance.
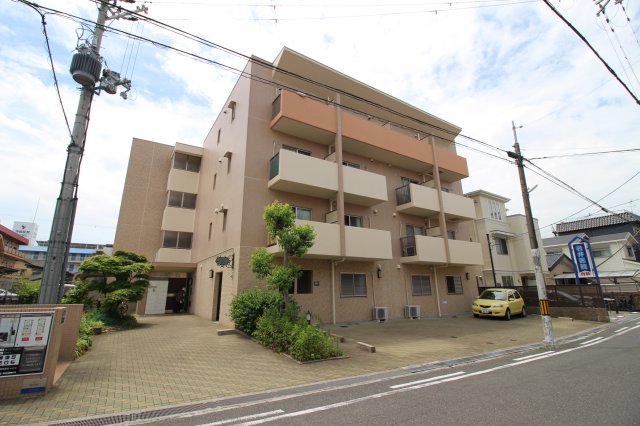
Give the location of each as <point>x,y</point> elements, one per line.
<point>604,225</point>
<point>12,261</point>
<point>505,239</point>
<point>385,201</point>
<point>613,255</point>
<point>78,253</point>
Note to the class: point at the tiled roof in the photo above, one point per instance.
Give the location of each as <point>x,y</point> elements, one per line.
<point>553,258</point>
<point>564,239</point>
<point>596,222</point>
<point>9,233</point>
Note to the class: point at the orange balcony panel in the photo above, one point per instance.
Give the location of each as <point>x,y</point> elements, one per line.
<point>306,118</point>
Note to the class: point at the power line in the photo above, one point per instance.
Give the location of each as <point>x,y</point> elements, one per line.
<point>615,151</point>
<point>592,49</point>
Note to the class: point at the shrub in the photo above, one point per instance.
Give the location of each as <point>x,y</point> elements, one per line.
<point>249,305</point>
<point>27,291</point>
<point>310,343</point>
<point>80,294</point>
<point>274,330</point>
<point>120,321</point>
<point>84,342</point>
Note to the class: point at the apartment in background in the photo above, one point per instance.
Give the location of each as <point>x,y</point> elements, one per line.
<point>78,253</point>
<point>382,191</point>
<point>506,248</point>
<point>12,261</point>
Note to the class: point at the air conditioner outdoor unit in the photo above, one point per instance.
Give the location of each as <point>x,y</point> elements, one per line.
<point>380,313</point>
<point>412,311</point>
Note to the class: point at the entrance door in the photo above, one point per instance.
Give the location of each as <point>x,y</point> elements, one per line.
<point>217,295</point>
<point>156,297</point>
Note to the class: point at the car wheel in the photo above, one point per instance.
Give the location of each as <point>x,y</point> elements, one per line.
<point>524,312</point>
<point>507,315</point>
<point>476,316</point>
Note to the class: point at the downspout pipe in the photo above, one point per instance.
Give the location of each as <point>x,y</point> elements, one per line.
<point>333,289</point>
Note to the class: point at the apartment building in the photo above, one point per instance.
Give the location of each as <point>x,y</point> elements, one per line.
<point>506,248</point>
<point>12,261</point>
<point>78,253</point>
<point>382,191</point>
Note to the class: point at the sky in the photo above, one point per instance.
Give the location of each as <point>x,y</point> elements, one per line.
<point>477,64</point>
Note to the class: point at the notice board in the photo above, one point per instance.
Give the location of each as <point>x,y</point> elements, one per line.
<point>24,340</point>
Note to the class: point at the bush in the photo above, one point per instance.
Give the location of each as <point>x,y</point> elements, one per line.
<point>249,305</point>
<point>274,330</point>
<point>80,295</point>
<point>27,291</point>
<point>87,324</point>
<point>310,343</point>
<point>120,321</point>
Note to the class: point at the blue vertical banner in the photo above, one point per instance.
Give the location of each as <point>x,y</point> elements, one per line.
<point>582,258</point>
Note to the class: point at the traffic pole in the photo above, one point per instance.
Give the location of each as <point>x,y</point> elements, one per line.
<point>549,339</point>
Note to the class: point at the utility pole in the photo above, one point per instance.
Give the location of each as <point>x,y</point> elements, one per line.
<point>493,269</point>
<point>549,338</point>
<point>86,67</point>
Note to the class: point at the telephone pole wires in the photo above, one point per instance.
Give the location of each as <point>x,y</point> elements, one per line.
<point>549,338</point>
<point>86,68</point>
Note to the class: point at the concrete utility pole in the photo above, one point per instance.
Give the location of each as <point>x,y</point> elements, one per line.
<point>86,66</point>
<point>549,338</point>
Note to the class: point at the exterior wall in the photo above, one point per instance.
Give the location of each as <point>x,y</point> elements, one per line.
<point>144,198</point>
<point>233,189</point>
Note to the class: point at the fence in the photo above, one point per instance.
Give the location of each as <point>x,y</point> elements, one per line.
<point>565,296</point>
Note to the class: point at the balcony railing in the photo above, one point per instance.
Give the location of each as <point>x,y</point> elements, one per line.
<point>403,195</point>
<point>274,166</point>
<point>275,107</point>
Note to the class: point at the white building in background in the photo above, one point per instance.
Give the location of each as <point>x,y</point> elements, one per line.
<point>28,230</point>
<point>505,239</point>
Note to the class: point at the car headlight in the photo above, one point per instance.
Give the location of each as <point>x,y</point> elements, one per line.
<point>498,306</point>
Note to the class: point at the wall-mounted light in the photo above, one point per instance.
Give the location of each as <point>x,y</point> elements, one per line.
<point>466,275</point>
<point>379,270</point>
<point>227,155</point>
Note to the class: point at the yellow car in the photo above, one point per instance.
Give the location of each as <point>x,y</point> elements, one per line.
<point>499,302</point>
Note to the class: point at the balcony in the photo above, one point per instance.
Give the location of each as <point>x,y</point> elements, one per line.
<point>465,253</point>
<point>183,181</point>
<point>360,243</point>
<point>420,249</point>
<point>305,175</point>
<point>423,201</point>
<point>178,219</point>
<point>302,174</point>
<point>300,116</point>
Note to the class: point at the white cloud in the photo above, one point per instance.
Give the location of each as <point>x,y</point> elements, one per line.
<point>477,68</point>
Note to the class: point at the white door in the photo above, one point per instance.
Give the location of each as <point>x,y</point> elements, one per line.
<point>156,297</point>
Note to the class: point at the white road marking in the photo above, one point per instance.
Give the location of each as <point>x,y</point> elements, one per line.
<point>591,341</point>
<point>240,419</point>
<point>532,356</point>
<point>431,379</point>
<point>621,329</point>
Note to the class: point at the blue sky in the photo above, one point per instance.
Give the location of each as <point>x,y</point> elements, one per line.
<point>476,67</point>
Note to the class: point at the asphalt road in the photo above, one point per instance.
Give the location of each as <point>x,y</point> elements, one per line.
<point>595,381</point>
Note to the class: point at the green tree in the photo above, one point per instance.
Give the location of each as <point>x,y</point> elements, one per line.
<point>119,278</point>
<point>27,291</point>
<point>294,240</point>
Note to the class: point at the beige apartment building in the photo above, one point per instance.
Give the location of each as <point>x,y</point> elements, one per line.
<point>379,180</point>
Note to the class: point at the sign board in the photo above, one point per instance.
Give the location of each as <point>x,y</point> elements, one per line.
<point>24,339</point>
<point>582,258</point>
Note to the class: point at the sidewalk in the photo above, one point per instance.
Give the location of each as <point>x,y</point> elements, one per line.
<point>178,359</point>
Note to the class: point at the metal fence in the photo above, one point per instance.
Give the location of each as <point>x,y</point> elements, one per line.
<point>588,296</point>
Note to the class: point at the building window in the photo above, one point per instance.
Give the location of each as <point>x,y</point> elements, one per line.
<point>210,227</point>
<point>454,284</point>
<point>232,107</point>
<point>73,257</point>
<point>304,284</point>
<point>302,213</point>
<point>186,162</point>
<point>501,245</point>
<point>297,150</point>
<point>350,220</point>
<point>451,234</point>
<point>350,164</point>
<point>443,189</point>
<point>219,134</point>
<point>406,181</point>
<point>183,200</point>
<point>421,285</point>
<point>71,267</point>
<point>215,178</point>
<point>507,281</point>
<point>494,210</point>
<point>630,251</point>
<point>602,252</point>
<point>353,285</point>
<point>175,239</point>
<point>414,230</point>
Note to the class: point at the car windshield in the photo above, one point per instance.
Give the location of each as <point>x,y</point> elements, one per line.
<point>493,295</point>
